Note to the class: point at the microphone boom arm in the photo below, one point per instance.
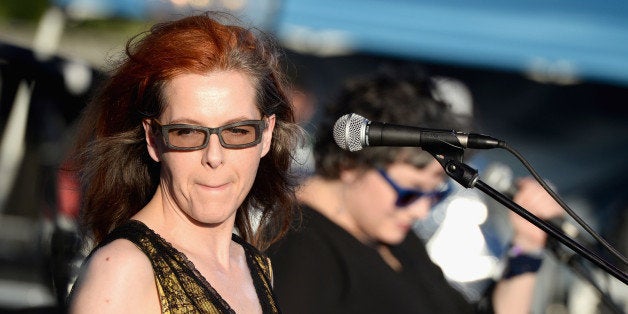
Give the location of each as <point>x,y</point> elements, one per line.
<point>467,176</point>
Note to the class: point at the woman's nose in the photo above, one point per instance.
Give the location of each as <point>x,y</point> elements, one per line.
<point>214,151</point>
<point>420,208</point>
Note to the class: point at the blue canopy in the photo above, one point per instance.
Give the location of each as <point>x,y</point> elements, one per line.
<point>561,38</point>
<point>554,39</point>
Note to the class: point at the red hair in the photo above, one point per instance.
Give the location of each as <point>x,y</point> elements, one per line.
<point>118,176</point>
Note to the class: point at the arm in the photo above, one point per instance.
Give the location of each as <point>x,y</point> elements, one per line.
<point>117,279</point>
<point>514,295</point>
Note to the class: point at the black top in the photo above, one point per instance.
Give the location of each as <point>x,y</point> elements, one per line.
<point>320,268</point>
<point>181,287</point>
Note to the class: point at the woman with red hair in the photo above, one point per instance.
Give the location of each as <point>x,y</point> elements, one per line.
<point>189,140</point>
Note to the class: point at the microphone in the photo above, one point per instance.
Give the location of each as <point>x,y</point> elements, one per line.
<point>353,132</point>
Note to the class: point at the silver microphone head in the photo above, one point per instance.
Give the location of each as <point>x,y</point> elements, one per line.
<point>350,132</point>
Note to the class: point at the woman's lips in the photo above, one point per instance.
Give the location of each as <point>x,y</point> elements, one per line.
<point>214,187</point>
<point>404,227</point>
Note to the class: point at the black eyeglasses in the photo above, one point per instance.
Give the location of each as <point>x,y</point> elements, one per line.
<point>186,137</point>
<point>406,197</point>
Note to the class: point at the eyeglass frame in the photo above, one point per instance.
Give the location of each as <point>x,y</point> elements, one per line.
<point>436,195</point>
<point>260,126</point>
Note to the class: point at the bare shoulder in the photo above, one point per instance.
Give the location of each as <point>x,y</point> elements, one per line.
<point>117,278</point>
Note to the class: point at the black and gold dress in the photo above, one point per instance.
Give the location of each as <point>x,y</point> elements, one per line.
<point>181,287</point>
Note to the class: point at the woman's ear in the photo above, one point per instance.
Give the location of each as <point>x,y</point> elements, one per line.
<point>267,134</point>
<point>151,141</point>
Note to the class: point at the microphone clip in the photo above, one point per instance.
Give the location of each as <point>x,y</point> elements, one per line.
<point>451,160</point>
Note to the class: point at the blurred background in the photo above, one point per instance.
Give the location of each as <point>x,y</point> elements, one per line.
<point>548,77</point>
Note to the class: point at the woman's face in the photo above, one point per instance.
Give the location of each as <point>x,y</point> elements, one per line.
<point>370,200</point>
<point>209,184</point>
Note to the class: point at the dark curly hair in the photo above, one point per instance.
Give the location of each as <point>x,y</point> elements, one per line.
<point>398,94</point>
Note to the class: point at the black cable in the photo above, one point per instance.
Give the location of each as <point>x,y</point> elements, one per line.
<point>569,211</point>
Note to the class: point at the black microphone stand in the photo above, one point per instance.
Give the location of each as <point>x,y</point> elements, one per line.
<point>450,159</point>
<point>577,266</point>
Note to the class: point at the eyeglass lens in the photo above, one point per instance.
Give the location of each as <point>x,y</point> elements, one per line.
<point>187,137</point>
<point>191,137</point>
<point>406,197</point>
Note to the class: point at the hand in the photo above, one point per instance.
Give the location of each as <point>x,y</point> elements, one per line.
<point>533,197</point>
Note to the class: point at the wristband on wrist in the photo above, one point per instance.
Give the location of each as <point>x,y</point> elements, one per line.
<point>520,262</point>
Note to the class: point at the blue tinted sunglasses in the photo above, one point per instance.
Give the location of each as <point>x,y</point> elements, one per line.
<point>406,197</point>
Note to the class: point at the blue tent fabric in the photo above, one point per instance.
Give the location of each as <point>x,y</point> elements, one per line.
<point>580,38</point>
